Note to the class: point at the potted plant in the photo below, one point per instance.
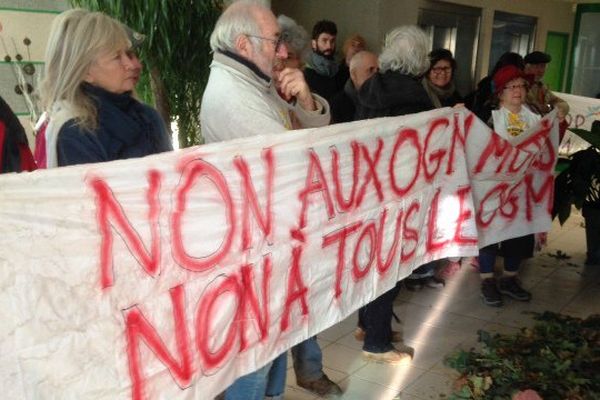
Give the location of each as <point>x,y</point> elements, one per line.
<point>578,184</point>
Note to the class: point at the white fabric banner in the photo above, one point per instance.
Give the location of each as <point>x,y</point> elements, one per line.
<point>583,111</point>
<point>169,276</point>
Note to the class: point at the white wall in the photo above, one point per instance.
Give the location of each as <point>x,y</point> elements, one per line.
<point>24,19</point>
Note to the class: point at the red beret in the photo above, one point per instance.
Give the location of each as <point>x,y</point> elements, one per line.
<point>505,75</point>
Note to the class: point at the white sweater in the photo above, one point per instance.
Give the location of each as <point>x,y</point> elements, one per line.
<point>238,103</point>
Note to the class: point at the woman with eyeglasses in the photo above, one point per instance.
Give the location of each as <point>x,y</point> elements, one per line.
<point>90,75</point>
<point>439,79</point>
<point>511,118</point>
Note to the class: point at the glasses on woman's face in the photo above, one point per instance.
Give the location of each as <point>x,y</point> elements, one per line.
<point>441,70</point>
<point>278,42</point>
<point>515,87</point>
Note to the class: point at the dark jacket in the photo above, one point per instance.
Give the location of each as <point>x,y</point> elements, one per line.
<point>15,155</point>
<point>325,86</point>
<point>391,93</point>
<point>126,129</point>
<point>480,101</point>
<point>451,100</point>
<point>343,104</point>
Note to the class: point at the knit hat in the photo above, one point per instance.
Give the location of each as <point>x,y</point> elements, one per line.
<point>505,75</point>
<point>537,57</point>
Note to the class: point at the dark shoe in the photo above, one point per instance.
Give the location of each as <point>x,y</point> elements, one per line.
<point>434,282</point>
<point>510,286</point>
<point>490,294</point>
<point>359,334</point>
<point>413,284</point>
<point>323,386</point>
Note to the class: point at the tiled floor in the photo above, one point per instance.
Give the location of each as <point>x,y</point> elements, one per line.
<point>437,321</point>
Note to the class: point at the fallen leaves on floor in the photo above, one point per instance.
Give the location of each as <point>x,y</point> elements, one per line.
<point>557,359</point>
<point>559,255</point>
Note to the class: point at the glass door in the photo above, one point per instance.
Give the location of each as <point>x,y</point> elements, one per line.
<point>455,28</point>
<point>584,73</point>
<point>511,32</point>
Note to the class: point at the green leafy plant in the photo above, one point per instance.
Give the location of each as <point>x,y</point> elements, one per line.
<point>176,54</point>
<point>579,182</point>
<point>558,358</point>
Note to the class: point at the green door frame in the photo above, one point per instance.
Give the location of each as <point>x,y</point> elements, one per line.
<point>581,9</point>
<point>561,72</point>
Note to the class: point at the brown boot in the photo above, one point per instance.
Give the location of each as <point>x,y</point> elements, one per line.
<point>323,386</point>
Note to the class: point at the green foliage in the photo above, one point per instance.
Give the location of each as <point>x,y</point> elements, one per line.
<point>578,183</point>
<point>176,54</point>
<point>559,358</point>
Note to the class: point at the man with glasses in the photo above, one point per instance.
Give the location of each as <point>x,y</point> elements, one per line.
<point>246,96</point>
<point>241,97</point>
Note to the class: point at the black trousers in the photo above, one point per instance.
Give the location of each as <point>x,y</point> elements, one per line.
<point>376,319</point>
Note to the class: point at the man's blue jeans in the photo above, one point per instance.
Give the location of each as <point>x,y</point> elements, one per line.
<point>266,381</point>
<point>308,360</point>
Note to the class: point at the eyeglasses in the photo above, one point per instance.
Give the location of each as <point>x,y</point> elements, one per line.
<point>515,87</point>
<point>276,42</point>
<point>441,70</point>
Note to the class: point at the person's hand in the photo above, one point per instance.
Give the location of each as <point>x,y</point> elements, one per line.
<point>541,239</point>
<point>560,113</point>
<point>459,105</point>
<point>290,83</point>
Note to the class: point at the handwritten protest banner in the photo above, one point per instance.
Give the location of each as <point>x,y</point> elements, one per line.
<point>169,276</point>
<point>583,111</point>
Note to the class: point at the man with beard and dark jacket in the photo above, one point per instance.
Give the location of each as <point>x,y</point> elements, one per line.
<point>322,72</point>
<point>343,105</point>
<point>395,90</point>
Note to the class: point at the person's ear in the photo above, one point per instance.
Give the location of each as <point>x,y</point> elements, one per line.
<point>313,44</point>
<point>88,77</point>
<point>243,46</point>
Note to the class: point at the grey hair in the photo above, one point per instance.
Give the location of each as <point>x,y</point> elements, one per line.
<point>294,35</point>
<point>405,50</point>
<point>238,19</point>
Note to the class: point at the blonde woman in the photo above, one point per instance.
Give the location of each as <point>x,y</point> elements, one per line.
<point>90,74</point>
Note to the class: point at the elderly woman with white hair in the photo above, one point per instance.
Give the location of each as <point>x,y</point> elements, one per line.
<point>395,90</point>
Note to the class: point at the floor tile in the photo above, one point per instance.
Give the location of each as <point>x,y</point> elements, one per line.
<point>431,385</point>
<point>359,389</point>
<point>396,377</point>
<point>343,358</point>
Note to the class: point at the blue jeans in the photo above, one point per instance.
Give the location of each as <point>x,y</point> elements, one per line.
<point>308,360</point>
<point>487,260</point>
<point>266,381</point>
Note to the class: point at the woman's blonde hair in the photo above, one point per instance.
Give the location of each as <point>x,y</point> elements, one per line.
<point>77,38</point>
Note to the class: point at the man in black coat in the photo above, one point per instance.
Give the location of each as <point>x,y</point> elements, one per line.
<point>395,90</point>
